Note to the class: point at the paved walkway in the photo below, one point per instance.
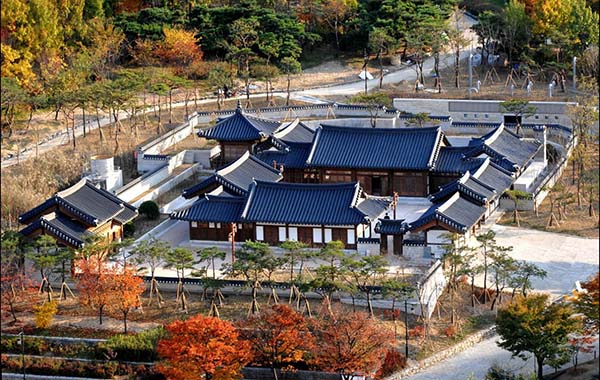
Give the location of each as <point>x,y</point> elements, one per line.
<point>566,259</point>
<point>473,363</point>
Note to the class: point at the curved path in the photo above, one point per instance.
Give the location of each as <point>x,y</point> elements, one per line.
<point>566,259</point>
<point>310,96</point>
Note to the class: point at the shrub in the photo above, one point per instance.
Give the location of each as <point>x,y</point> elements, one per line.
<point>44,314</point>
<point>394,361</point>
<point>149,209</point>
<point>139,347</point>
<point>418,331</point>
<point>450,331</point>
<point>129,229</point>
<point>496,372</point>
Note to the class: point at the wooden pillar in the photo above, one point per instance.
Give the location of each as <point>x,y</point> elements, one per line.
<point>383,246</point>
<point>398,244</point>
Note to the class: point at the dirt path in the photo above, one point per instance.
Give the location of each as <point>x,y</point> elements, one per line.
<point>85,322</point>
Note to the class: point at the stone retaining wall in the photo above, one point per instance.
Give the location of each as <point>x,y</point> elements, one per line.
<point>468,342</point>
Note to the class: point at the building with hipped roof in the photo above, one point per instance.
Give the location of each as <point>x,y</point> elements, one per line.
<point>408,162</point>
<point>74,214</point>
<point>274,212</point>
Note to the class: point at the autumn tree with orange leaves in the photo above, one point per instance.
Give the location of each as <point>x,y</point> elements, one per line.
<point>128,289</point>
<point>17,286</point>
<point>350,344</point>
<point>179,48</point>
<point>279,337</point>
<point>95,285</point>
<point>587,301</point>
<point>202,348</point>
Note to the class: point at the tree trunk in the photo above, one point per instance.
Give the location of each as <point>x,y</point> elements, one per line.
<point>370,305</point>
<point>83,117</point>
<point>484,276</point>
<point>540,368</point>
<point>472,291</point>
<point>125,321</point>
<point>457,68</point>
<point>287,99</point>
<point>337,37</point>
<point>99,127</point>
<point>100,311</point>
<point>380,69</point>
<point>73,130</point>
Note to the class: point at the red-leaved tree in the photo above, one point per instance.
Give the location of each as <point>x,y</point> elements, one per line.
<point>95,284</point>
<point>128,289</point>
<point>279,337</point>
<point>202,348</point>
<point>350,344</point>
<point>17,287</point>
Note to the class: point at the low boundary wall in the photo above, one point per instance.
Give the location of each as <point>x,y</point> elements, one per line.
<point>468,342</point>
<point>542,190</point>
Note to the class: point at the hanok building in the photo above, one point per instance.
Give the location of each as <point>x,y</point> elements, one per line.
<point>274,212</point>
<point>463,184</point>
<point>82,210</point>
<point>458,207</point>
<point>238,134</point>
<point>235,178</point>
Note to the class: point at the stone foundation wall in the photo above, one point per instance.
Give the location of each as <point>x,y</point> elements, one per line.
<point>468,342</point>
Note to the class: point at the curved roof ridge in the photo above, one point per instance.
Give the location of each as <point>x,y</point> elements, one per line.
<point>223,198</point>
<point>379,130</point>
<point>307,185</point>
<point>482,167</point>
<point>435,152</point>
<point>68,191</point>
<point>233,164</point>
<point>448,202</point>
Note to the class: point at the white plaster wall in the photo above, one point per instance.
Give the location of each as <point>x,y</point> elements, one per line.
<point>167,185</point>
<point>549,112</point>
<point>431,287</point>
<point>131,192</point>
<point>145,165</point>
<point>169,139</point>
<point>434,240</point>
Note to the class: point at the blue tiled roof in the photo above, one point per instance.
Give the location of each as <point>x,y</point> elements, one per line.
<point>34,212</point>
<point>457,213</point>
<point>375,148</point>
<point>453,160</point>
<point>60,227</point>
<point>470,187</point>
<point>373,206</point>
<point>391,227</point>
<point>205,185</point>
<point>502,144</point>
<point>494,176</point>
<point>295,132</point>
<point>212,208</point>
<point>237,176</point>
<point>312,204</point>
<point>88,203</point>
<point>295,158</point>
<point>240,127</point>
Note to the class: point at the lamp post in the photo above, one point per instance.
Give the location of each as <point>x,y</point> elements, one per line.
<point>21,336</point>
<point>232,239</point>
<point>406,328</point>
<point>574,73</point>
<point>470,74</point>
<point>365,70</point>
